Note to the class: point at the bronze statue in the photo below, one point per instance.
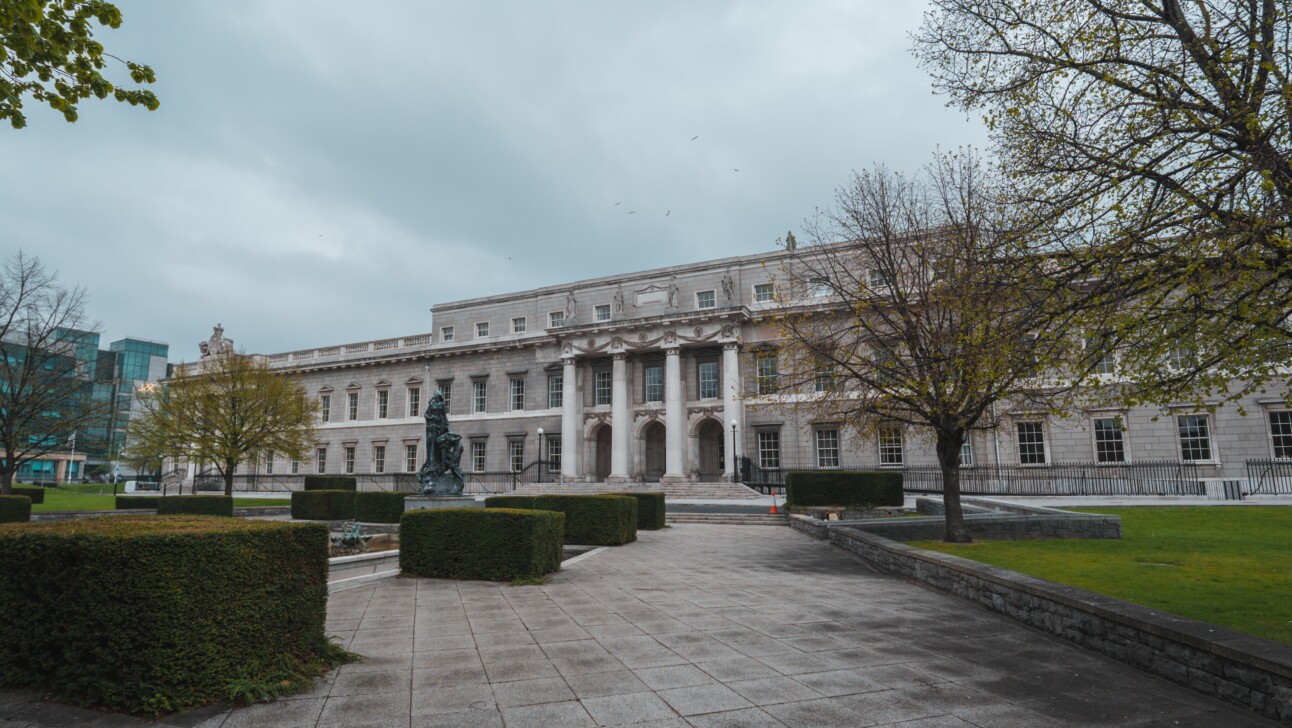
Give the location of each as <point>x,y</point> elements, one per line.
<point>441,474</point>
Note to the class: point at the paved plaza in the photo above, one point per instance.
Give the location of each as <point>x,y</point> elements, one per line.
<point>697,625</point>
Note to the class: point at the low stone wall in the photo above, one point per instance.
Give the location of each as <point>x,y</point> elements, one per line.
<point>1238,668</point>
<point>847,514</point>
<point>990,520</point>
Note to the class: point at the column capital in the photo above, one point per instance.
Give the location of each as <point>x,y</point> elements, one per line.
<point>619,355</point>
<point>568,359</point>
<point>730,345</point>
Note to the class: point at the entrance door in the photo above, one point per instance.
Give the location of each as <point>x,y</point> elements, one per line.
<point>602,469</point>
<point>712,451</point>
<point>655,452</point>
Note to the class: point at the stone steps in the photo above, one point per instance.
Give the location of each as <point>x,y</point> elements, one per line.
<point>717,491</point>
<point>729,519</point>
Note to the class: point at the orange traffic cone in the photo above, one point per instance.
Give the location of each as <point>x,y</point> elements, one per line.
<point>773,510</point>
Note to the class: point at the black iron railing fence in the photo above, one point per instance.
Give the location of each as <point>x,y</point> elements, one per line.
<point>1143,478</point>
<point>1269,477</point>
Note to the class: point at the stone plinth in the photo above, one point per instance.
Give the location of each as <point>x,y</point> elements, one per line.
<point>440,502</point>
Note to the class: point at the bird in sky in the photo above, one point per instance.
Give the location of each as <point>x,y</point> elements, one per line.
<point>616,204</point>
<point>632,212</point>
<point>733,169</point>
<point>667,213</point>
<point>697,136</point>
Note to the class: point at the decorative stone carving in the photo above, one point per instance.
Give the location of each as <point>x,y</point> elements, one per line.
<point>217,345</point>
<point>699,331</point>
<point>571,307</point>
<point>619,299</point>
<point>592,343</point>
<point>617,342</point>
<point>441,474</point>
<point>673,292</point>
<point>728,331</point>
<point>567,349</point>
<point>670,338</point>
<point>728,286</point>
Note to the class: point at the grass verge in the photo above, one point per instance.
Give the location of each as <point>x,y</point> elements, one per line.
<point>1223,565</point>
<point>62,499</point>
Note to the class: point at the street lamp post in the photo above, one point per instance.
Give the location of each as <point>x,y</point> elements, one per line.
<point>72,462</point>
<point>540,454</point>
<point>735,460</point>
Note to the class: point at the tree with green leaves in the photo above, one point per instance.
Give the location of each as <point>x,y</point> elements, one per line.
<point>225,410</point>
<point>48,52</point>
<point>1160,135</point>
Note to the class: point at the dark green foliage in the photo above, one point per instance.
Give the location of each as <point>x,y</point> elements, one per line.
<point>15,508</point>
<point>525,502</point>
<point>197,505</point>
<point>162,613</point>
<point>497,544</point>
<point>378,507</point>
<point>323,505</point>
<point>650,509</point>
<point>844,488</point>
<point>140,502</point>
<point>590,520</point>
<point>37,495</point>
<point>330,482</point>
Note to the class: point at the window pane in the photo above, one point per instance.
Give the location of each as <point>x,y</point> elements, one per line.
<point>349,460</point>
<point>708,380</point>
<point>320,460</point>
<point>379,459</point>
<point>479,396</point>
<point>705,299</point>
<point>554,453</point>
<point>325,407</point>
<point>352,406</point>
<point>827,448</point>
<point>556,390</point>
<point>516,454</point>
<point>765,373</point>
<point>383,404</point>
<point>655,384</point>
<point>966,455</point>
<point>482,330</point>
<point>1281,434</point>
<point>555,318</point>
<point>603,312</point>
<point>518,394</point>
<point>763,292</point>
<point>769,449</point>
<point>478,457</point>
<point>1195,437</point>
<point>446,333</point>
<point>518,325</point>
<point>1031,443</point>
<point>410,458</point>
<point>602,387</point>
<point>890,446</point>
<point>414,401</point>
<point>1110,446</point>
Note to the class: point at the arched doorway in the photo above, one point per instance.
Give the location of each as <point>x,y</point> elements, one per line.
<point>653,467</point>
<point>712,450</point>
<point>601,457</point>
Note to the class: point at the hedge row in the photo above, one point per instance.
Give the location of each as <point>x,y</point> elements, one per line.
<point>650,509</point>
<point>331,482</point>
<point>844,488</point>
<point>140,502</point>
<point>590,520</point>
<point>37,495</point>
<point>477,543</point>
<point>323,505</point>
<point>378,507</point>
<point>197,505</point>
<point>15,509</point>
<point>207,607</point>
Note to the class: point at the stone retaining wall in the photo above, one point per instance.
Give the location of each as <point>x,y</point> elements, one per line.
<point>1238,668</point>
<point>986,521</point>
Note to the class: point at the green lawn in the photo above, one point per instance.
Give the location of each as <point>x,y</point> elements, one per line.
<point>1225,565</point>
<point>86,498</point>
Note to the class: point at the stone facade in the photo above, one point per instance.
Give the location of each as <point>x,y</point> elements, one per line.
<point>640,377</point>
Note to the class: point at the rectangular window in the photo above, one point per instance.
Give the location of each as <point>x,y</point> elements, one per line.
<point>555,319</point>
<point>602,312</point>
<point>410,457</point>
<point>446,333</point>
<point>1281,434</point>
<point>708,376</point>
<point>482,330</point>
<point>706,299</point>
<point>445,388</point>
<point>769,449</point>
<point>320,460</point>
<point>556,390</point>
<point>879,279</point>
<point>478,456</point>
<point>518,325</point>
<point>1099,354</point>
<point>601,387</point>
<point>765,372</point>
<point>827,448</point>
<point>890,446</point>
<point>966,455</point>
<point>349,461</point>
<point>824,380</point>
<point>1031,443</point>
<point>517,394</point>
<point>762,293</point>
<point>378,458</point>
<point>296,467</point>
<point>269,463</point>
<point>1110,444</point>
<point>654,384</point>
<point>325,407</point>
<point>414,401</point>
<point>516,455</point>
<point>1195,438</point>
<point>479,396</point>
<point>1182,357</point>
<point>352,406</point>
<point>383,403</point>
<point>821,287</point>
<point>554,453</point>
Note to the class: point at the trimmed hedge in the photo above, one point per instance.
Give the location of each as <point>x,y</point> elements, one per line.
<point>331,482</point>
<point>323,505</point>
<point>480,543</point>
<point>37,495</point>
<point>650,509</point>
<point>590,520</point>
<point>378,507</point>
<point>196,505</point>
<point>15,509</point>
<point>844,488</point>
<point>208,609</point>
<point>141,502</point>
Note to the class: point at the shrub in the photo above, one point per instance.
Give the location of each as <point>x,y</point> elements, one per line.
<point>330,482</point>
<point>141,502</point>
<point>197,505</point>
<point>323,505</point>
<point>844,488</point>
<point>378,507</point>
<point>525,502</point>
<point>478,543</point>
<point>650,509</point>
<point>15,508</point>
<point>37,495</point>
<point>208,608</point>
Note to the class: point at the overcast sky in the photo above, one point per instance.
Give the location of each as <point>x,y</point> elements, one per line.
<point>324,172</point>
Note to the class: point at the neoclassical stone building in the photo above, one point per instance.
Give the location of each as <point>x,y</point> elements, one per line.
<point>660,375</point>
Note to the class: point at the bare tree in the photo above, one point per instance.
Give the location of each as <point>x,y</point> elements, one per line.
<point>914,304</point>
<point>1160,133</point>
<point>226,411</point>
<point>46,376</point>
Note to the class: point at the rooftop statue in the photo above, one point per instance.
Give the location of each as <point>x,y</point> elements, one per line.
<point>441,474</point>
<point>217,344</point>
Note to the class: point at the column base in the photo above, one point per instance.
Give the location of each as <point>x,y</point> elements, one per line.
<point>674,478</point>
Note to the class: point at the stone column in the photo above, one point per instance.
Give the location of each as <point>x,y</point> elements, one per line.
<point>674,418</point>
<point>571,454</point>
<point>620,422</point>
<point>732,406</point>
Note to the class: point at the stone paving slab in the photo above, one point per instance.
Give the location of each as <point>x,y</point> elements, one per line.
<point>695,625</point>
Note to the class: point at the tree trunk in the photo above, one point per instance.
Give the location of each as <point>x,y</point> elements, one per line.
<point>6,481</point>
<point>228,478</point>
<point>948,447</point>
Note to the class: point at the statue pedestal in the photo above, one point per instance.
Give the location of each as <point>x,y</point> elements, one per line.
<point>440,502</point>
